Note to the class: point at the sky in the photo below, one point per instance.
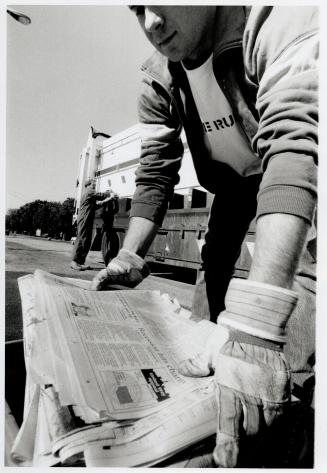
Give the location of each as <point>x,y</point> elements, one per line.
<point>72,67</point>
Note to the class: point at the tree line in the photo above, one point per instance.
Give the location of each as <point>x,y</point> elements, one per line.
<point>52,218</point>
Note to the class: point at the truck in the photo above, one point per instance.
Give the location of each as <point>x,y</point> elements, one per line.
<point>112,161</point>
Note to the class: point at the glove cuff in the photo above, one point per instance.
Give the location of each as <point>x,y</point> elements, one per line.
<point>258,309</point>
<point>135,261</point>
<point>242,337</point>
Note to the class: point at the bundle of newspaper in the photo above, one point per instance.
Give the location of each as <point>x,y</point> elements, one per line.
<point>103,387</point>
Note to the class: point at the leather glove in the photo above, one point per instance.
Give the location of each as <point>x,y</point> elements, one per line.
<point>252,377</point>
<point>127,268</point>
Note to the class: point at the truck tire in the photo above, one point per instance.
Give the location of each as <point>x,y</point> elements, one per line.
<point>109,245</point>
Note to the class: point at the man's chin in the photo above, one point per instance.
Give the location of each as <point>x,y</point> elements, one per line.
<point>171,55</point>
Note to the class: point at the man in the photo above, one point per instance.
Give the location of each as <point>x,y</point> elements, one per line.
<point>91,200</point>
<point>242,82</point>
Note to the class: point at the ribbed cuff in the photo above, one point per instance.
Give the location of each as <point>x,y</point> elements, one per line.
<point>147,210</point>
<point>284,199</point>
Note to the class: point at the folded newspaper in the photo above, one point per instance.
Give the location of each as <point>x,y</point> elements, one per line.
<point>102,386</point>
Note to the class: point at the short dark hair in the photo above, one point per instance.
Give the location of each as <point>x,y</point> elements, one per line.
<point>89,182</point>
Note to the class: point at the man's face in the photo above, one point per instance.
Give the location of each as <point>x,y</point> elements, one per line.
<point>91,186</point>
<point>182,33</point>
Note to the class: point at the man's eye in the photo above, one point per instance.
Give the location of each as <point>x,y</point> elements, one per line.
<point>137,9</point>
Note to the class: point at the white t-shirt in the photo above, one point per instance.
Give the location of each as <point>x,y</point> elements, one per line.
<point>224,137</point>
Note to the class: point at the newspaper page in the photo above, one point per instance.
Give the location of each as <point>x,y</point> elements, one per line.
<point>188,420</point>
<point>187,426</point>
<point>124,345</point>
<point>36,344</point>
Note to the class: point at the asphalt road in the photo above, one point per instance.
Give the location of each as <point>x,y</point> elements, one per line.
<point>26,254</point>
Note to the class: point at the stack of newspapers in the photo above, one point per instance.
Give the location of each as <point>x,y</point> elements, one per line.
<point>102,386</point>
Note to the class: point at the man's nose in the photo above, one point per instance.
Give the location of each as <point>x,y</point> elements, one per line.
<point>153,20</point>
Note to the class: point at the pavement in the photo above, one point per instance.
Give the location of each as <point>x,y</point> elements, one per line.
<point>26,254</point>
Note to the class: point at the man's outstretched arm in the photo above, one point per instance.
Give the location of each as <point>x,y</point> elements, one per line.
<point>128,267</point>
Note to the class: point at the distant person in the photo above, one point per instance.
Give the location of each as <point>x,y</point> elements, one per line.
<point>91,200</point>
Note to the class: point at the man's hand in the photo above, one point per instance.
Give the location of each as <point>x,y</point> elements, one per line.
<point>105,197</point>
<point>203,364</point>
<point>251,375</point>
<point>127,268</point>
<point>101,203</point>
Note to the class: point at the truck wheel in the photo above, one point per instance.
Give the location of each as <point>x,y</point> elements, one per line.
<point>109,246</point>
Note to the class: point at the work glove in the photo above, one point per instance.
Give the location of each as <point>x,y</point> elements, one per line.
<point>252,377</point>
<point>127,268</point>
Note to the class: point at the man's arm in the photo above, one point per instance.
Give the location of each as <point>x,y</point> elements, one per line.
<point>251,375</point>
<point>101,202</point>
<point>140,235</point>
<point>129,267</point>
<point>156,176</point>
<point>279,243</point>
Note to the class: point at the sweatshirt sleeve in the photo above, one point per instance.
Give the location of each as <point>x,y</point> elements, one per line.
<point>285,67</point>
<point>161,153</point>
